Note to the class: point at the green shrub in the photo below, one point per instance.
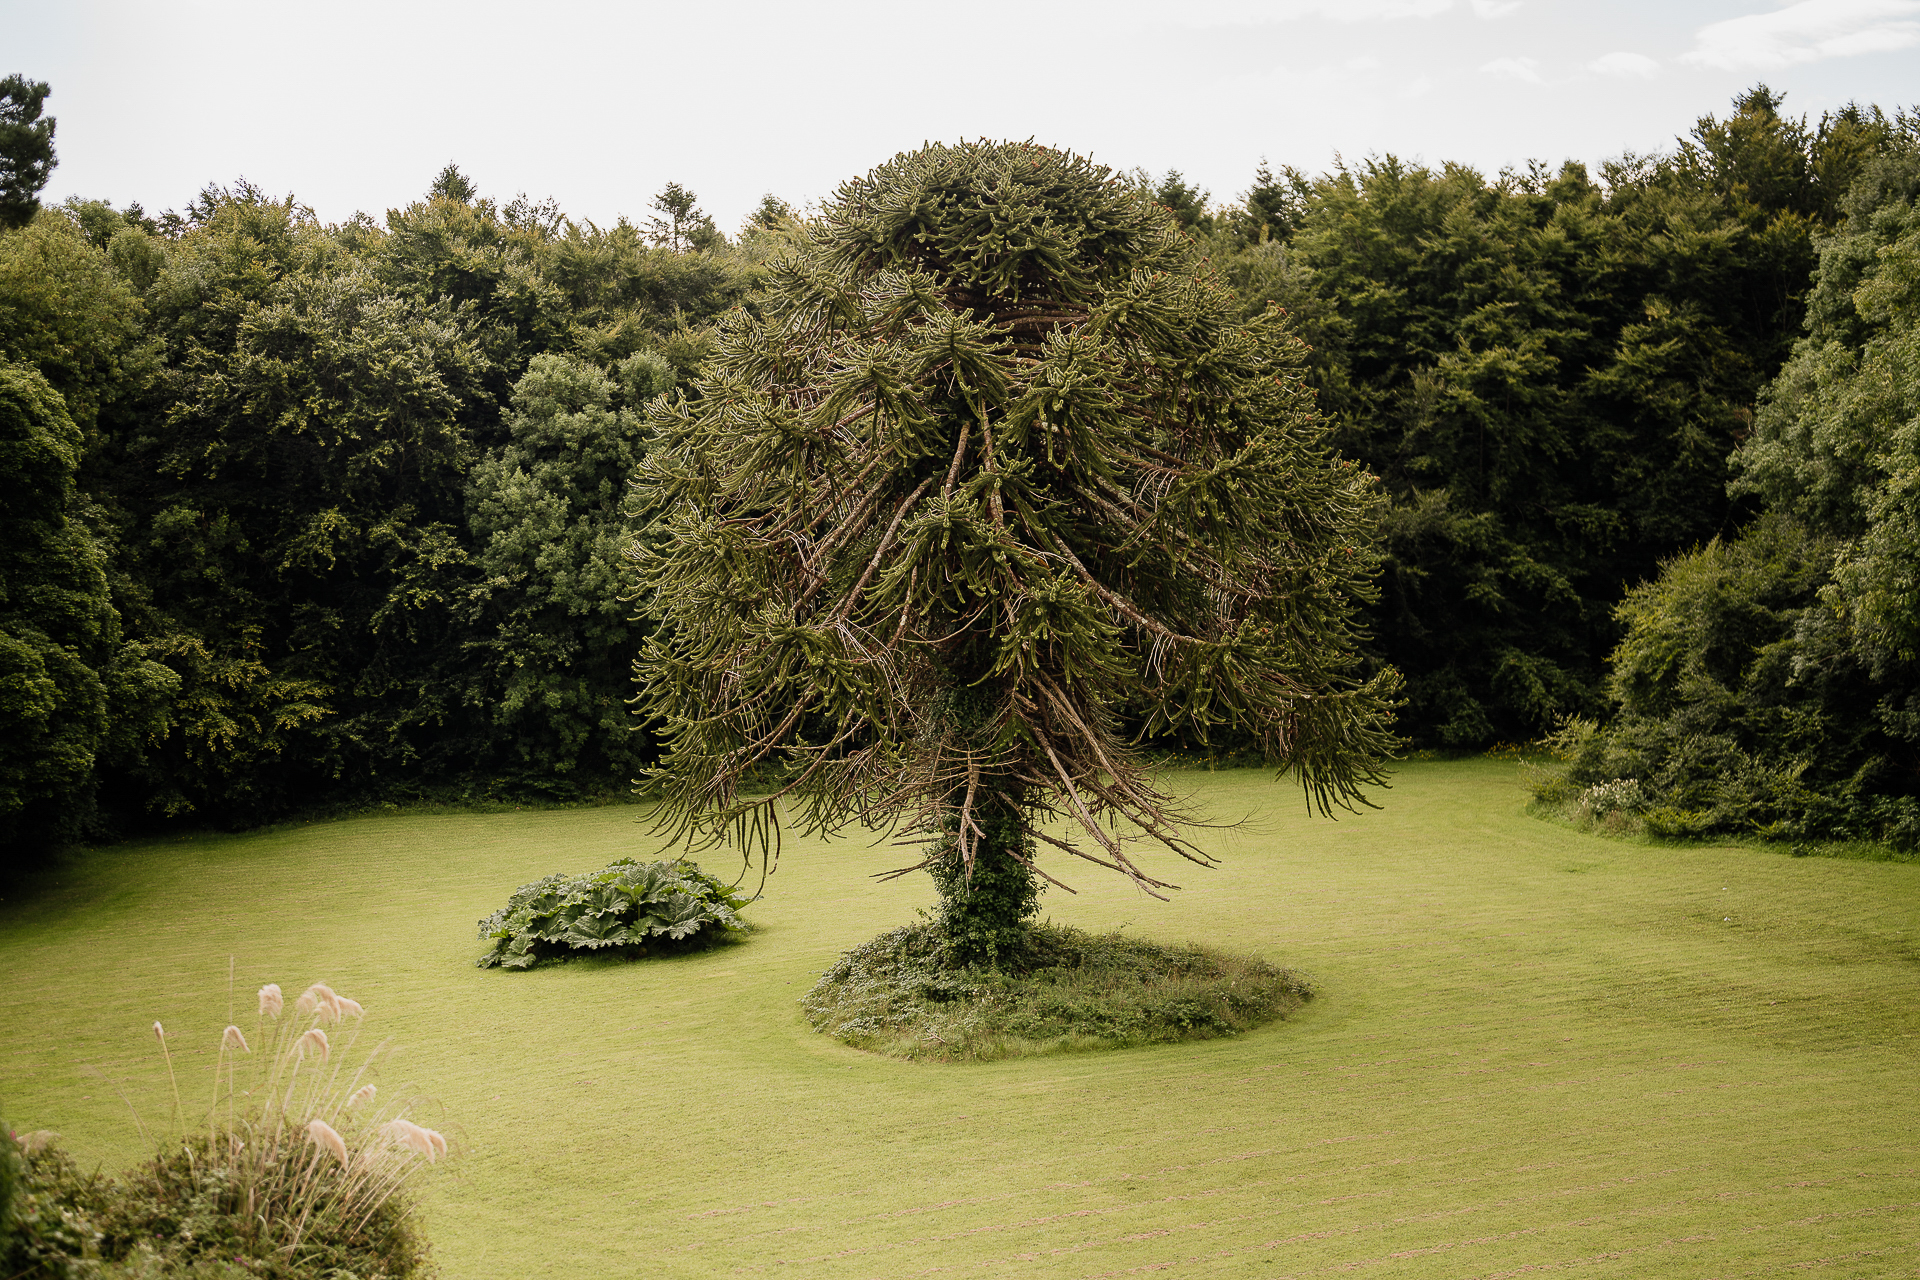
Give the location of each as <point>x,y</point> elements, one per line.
<point>311,1216</point>
<point>1065,990</point>
<point>47,1212</point>
<point>629,909</point>
<point>298,1173</point>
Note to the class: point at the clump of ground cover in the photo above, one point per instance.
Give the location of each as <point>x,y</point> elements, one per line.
<point>299,1170</point>
<point>630,909</point>
<point>1064,990</point>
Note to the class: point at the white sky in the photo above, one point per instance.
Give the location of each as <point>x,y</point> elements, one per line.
<point>353,105</point>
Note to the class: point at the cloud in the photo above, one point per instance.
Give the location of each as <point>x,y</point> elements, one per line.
<point>1321,76</point>
<point>1527,69</point>
<point>1637,65</point>
<point>1494,8</point>
<point>1218,13</point>
<point>1806,32</point>
<point>1417,86</point>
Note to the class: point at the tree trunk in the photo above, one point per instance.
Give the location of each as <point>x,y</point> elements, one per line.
<point>983,913</point>
<point>984,917</point>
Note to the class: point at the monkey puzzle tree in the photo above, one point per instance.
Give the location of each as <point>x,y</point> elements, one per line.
<point>995,472</point>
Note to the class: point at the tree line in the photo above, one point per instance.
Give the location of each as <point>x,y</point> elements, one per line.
<point>298,512</point>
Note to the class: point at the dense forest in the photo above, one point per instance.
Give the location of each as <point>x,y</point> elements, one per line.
<point>296,513</point>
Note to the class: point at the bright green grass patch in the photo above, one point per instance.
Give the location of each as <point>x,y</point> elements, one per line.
<point>1067,990</point>
<point>1532,1051</point>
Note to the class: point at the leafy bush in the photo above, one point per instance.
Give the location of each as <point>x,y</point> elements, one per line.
<point>1769,684</point>
<point>628,909</point>
<point>46,1211</point>
<point>1065,990</point>
<point>297,1174</point>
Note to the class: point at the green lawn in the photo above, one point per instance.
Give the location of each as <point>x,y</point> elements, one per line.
<point>1535,1052</point>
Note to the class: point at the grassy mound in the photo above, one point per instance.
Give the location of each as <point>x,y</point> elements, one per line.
<point>1067,991</point>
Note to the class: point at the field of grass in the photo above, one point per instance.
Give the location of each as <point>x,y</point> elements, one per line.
<point>1534,1052</point>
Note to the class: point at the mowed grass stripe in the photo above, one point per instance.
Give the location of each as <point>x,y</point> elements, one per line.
<point>1535,1051</point>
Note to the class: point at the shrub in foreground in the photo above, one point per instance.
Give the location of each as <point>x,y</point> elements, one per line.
<point>629,909</point>
<point>298,1171</point>
<point>1064,990</point>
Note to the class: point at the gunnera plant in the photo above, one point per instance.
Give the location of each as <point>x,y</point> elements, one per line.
<point>1064,990</point>
<point>298,1170</point>
<point>630,909</point>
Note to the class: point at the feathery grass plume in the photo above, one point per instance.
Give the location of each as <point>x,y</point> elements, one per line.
<point>323,1135</point>
<point>258,1171</point>
<point>326,1002</point>
<point>417,1138</point>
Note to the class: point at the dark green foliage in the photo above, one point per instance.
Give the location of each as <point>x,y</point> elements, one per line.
<point>985,910</point>
<point>314,500</point>
<point>339,516</point>
<point>71,692</point>
<point>26,149</point>
<point>182,1210</point>
<point>56,623</point>
<point>1771,683</point>
<point>1739,703</point>
<point>303,537</point>
<point>681,225</point>
<point>12,1183</point>
<point>550,539</point>
<point>179,1214</point>
<point>631,909</point>
<point>1184,201</point>
<point>1061,990</point>
<point>1272,210</point>
<point>1549,374</point>
<point>66,310</point>
<point>451,184</point>
<point>999,461</point>
<point>48,1212</point>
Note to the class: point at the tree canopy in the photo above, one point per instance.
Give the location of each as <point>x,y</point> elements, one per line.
<point>26,149</point>
<point>345,499</point>
<point>1770,681</point>
<point>998,466</point>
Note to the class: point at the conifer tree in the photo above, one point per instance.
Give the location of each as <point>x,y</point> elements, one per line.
<point>26,149</point>
<point>995,471</point>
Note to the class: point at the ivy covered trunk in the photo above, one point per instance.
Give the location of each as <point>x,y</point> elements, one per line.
<point>989,887</point>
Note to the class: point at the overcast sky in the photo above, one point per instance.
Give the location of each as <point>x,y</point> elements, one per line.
<point>355,106</point>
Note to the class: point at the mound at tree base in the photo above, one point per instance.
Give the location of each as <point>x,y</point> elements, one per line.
<point>1065,991</point>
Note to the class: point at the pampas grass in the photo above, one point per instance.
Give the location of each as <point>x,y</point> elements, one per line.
<point>294,1142</point>
<point>327,1138</point>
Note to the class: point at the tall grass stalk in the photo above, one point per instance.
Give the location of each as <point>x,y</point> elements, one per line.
<point>289,1141</point>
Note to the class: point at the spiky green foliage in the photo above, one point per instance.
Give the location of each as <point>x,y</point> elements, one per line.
<point>628,909</point>
<point>997,466</point>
